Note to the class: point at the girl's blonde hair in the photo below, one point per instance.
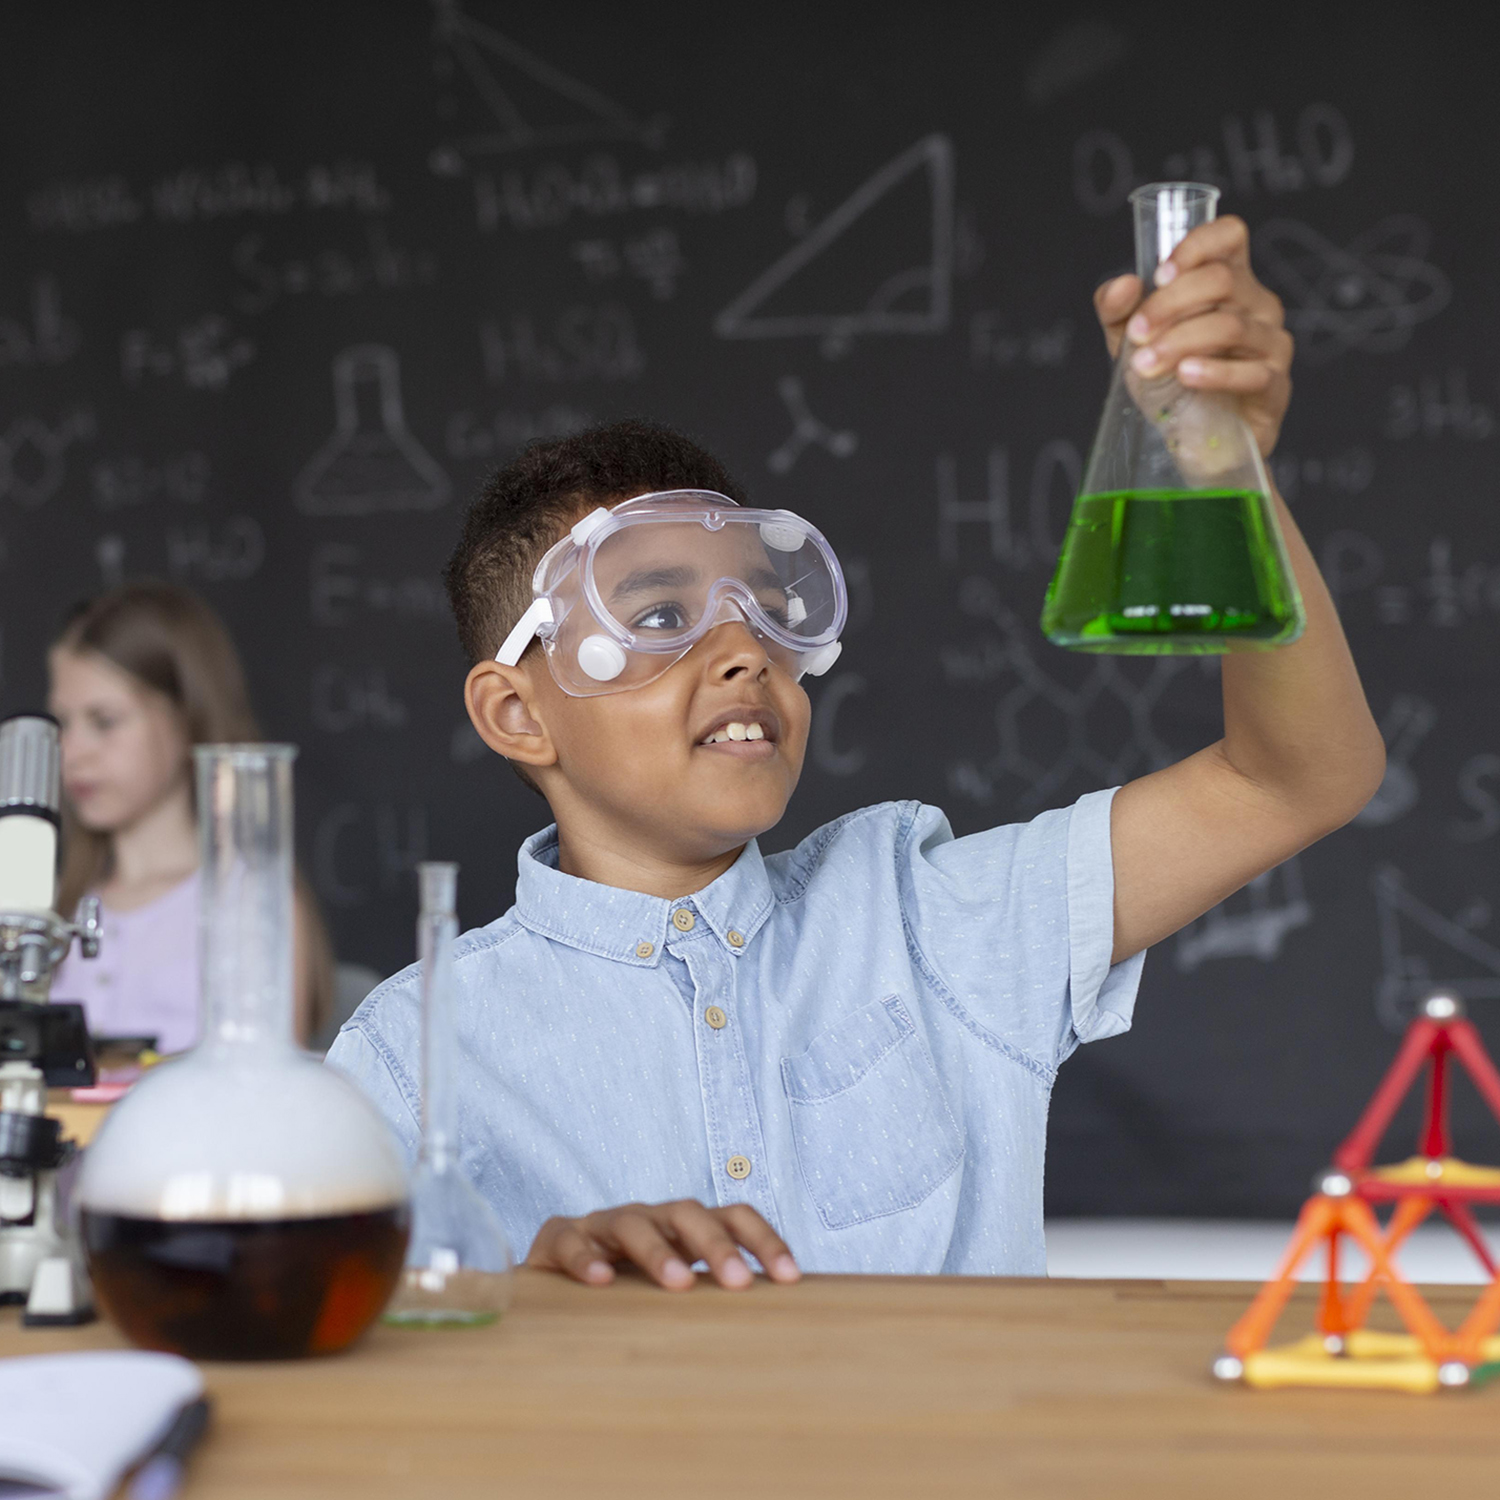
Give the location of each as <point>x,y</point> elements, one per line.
<point>171,642</point>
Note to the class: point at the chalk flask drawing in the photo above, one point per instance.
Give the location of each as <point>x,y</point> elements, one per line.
<point>371,463</point>
<point>458,1263</point>
<point>1173,547</point>
<point>243,1201</point>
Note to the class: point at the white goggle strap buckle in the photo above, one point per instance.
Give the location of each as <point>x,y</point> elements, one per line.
<point>538,613</point>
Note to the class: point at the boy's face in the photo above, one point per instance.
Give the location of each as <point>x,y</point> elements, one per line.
<point>693,763</point>
<point>655,762</point>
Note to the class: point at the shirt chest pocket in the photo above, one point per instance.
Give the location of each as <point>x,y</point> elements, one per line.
<point>873,1133</point>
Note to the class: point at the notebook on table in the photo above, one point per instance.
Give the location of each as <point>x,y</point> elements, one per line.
<point>72,1424</point>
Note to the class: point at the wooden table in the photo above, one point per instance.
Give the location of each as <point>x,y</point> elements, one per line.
<point>867,1386</point>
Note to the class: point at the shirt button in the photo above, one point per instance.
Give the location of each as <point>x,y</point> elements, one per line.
<point>736,939</point>
<point>682,919</point>
<point>738,1167</point>
<point>716,1018</point>
<point>644,950</point>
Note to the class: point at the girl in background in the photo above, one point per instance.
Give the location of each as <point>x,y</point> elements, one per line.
<point>138,677</point>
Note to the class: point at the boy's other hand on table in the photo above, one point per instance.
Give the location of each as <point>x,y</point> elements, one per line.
<point>1212,321</point>
<point>664,1240</point>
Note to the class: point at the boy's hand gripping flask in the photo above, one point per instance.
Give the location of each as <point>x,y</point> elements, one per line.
<point>1173,547</point>
<point>458,1264</point>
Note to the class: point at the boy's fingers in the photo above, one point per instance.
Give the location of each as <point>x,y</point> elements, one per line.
<point>1222,239</point>
<point>761,1241</point>
<point>561,1246</point>
<point>1215,335</point>
<point>640,1239</point>
<point>1241,377</point>
<point>1201,290</point>
<point>702,1236</point>
<point>1114,302</point>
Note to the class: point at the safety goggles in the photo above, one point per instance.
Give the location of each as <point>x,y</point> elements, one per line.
<point>630,591</point>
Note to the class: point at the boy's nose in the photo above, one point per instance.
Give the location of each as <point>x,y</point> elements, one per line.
<point>734,649</point>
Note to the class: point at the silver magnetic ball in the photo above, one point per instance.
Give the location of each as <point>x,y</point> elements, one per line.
<point>1333,1343</point>
<point>1442,1006</point>
<point>1227,1367</point>
<point>1453,1374</point>
<point>1333,1184</point>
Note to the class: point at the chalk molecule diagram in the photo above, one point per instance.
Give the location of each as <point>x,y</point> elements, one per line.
<point>806,431</point>
<point>371,463</point>
<point>1253,923</point>
<point>1072,749</point>
<point>497,69</point>
<point>1367,296</point>
<point>34,456</point>
<point>904,299</point>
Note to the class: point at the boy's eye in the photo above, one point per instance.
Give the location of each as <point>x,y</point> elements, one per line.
<point>661,617</point>
<point>776,607</point>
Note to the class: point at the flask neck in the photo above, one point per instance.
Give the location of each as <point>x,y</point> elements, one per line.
<point>1165,213</point>
<point>246,905</point>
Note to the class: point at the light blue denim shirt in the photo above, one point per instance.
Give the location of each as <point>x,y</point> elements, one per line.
<point>858,1037</point>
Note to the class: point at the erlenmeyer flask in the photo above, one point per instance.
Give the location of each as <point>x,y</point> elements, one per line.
<point>459,1261</point>
<point>243,1201</point>
<point>1173,546</point>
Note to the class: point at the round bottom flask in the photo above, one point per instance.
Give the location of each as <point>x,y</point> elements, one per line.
<point>244,1202</point>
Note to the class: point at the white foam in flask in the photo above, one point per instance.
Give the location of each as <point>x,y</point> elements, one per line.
<point>243,1201</point>
<point>30,783</point>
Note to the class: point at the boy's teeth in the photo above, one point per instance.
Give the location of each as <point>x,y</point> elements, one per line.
<point>736,731</point>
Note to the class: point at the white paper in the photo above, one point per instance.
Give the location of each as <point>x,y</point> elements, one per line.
<point>71,1424</point>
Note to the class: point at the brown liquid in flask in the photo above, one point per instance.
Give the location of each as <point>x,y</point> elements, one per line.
<point>243,1201</point>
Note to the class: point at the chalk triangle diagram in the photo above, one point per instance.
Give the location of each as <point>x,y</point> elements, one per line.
<point>516,100</point>
<point>1253,923</point>
<point>1420,948</point>
<point>901,216</point>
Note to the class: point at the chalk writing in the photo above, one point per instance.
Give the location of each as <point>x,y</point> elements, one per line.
<point>109,554</point>
<point>215,554</point>
<point>1056,472</point>
<point>34,455</point>
<point>993,346</point>
<point>1435,406</point>
<point>360,849</point>
<point>584,343</point>
<point>128,480</point>
<point>1251,156</point>
<point>1479,788</point>
<point>91,203</point>
<point>345,698</point>
<point>655,257</point>
<point>371,463</point>
<point>468,436</point>
<point>1078,53</point>
<point>204,353</point>
<point>264,280</point>
<point>823,741</point>
<point>340,589</point>
<point>41,336</point>
<point>909,298</point>
<point>554,194</point>
<point>1348,472</point>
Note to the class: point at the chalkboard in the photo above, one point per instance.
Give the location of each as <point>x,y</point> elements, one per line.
<point>280,283</point>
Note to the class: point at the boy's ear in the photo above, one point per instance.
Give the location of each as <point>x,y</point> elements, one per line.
<point>503,709</point>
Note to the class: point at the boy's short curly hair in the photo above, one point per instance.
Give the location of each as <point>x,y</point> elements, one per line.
<point>532,501</point>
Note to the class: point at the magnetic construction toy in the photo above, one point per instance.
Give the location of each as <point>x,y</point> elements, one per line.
<point>1343,1352</point>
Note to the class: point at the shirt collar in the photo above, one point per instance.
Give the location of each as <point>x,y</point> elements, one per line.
<point>630,926</point>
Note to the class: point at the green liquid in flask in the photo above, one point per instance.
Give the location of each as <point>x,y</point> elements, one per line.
<point>1171,572</point>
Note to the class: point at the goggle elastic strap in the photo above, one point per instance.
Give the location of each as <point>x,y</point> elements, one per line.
<point>538,613</point>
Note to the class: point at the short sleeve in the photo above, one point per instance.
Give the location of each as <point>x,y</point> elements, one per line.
<point>355,1056</point>
<point>1017,925</point>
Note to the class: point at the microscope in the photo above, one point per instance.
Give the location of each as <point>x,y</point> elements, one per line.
<point>42,1044</point>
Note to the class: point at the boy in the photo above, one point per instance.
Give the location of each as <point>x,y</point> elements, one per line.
<point>674,1050</point>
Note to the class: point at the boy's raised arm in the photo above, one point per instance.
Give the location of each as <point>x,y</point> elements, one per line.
<point>1301,753</point>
